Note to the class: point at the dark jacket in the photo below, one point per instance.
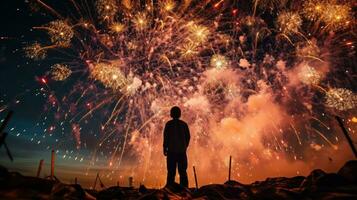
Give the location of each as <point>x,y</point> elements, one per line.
<point>176,136</point>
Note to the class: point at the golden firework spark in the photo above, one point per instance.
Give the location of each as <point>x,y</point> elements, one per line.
<point>198,33</point>
<point>117,27</point>
<point>109,75</point>
<point>106,9</point>
<point>337,16</point>
<point>60,72</point>
<point>60,33</point>
<point>140,21</point>
<point>308,50</point>
<point>312,9</point>
<point>168,5</point>
<point>309,75</point>
<point>35,51</point>
<point>341,99</point>
<point>219,61</point>
<point>128,4</point>
<point>289,22</point>
<point>188,50</point>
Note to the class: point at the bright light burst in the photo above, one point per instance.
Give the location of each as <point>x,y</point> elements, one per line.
<point>35,51</point>
<point>309,75</point>
<point>341,99</point>
<point>219,62</point>
<point>60,72</point>
<point>107,9</point>
<point>60,33</point>
<point>109,75</point>
<point>289,22</point>
<point>335,16</point>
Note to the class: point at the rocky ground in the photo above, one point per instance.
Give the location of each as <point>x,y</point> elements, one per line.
<point>317,185</point>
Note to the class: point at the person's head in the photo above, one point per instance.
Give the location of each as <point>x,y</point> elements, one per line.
<point>175,112</point>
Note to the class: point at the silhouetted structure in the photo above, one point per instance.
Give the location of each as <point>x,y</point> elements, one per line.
<point>97,178</point>
<point>345,132</point>
<point>3,135</point>
<point>176,141</point>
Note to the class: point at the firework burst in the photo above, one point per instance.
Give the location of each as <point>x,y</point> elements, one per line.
<point>341,99</point>
<point>309,75</point>
<point>289,22</point>
<point>60,72</point>
<point>35,51</point>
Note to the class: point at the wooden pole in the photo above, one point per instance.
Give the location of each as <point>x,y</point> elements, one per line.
<point>194,172</point>
<point>345,132</point>
<point>39,168</point>
<point>52,164</point>
<point>95,181</point>
<point>229,170</point>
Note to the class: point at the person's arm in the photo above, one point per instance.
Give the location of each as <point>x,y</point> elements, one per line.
<point>188,137</point>
<point>165,145</point>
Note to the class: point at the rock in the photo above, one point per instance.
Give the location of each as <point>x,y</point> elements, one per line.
<point>111,193</point>
<point>230,190</point>
<point>310,180</point>
<point>63,191</point>
<point>177,188</point>
<point>274,193</point>
<point>330,180</point>
<point>349,171</point>
<point>156,195</point>
<point>282,182</point>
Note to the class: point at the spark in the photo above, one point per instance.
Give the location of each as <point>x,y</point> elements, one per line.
<point>109,75</point>
<point>219,61</point>
<point>289,22</point>
<point>60,72</point>
<point>309,75</point>
<point>60,33</point>
<point>35,51</point>
<point>341,99</point>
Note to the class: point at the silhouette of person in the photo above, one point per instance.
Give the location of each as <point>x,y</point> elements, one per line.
<point>176,140</point>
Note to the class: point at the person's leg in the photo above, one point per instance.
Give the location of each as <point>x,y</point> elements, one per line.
<point>182,167</point>
<point>171,168</point>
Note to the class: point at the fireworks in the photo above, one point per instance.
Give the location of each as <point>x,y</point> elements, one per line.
<point>140,21</point>
<point>308,50</point>
<point>289,22</point>
<point>60,33</point>
<point>35,51</point>
<point>341,99</point>
<point>168,5</point>
<point>218,61</point>
<point>60,72</point>
<point>313,9</point>
<point>137,58</point>
<point>335,16</point>
<point>199,33</point>
<point>309,75</point>
<point>109,75</point>
<point>117,28</point>
<point>188,50</point>
<point>106,9</point>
